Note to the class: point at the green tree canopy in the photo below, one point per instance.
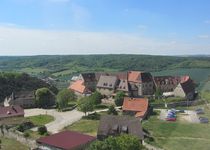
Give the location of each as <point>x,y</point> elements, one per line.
<point>96,98</point>
<point>119,98</point>
<point>122,142</point>
<point>64,97</point>
<point>44,98</point>
<point>85,105</point>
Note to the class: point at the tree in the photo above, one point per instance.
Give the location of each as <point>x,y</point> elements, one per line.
<point>122,142</point>
<point>42,130</point>
<point>119,98</point>
<point>85,105</point>
<point>64,97</point>
<point>96,98</point>
<point>112,110</point>
<point>44,98</point>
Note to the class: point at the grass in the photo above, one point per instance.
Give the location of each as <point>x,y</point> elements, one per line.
<point>85,126</point>
<point>176,135</point>
<point>40,119</point>
<point>11,144</point>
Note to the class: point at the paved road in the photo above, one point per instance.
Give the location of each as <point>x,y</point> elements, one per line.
<point>62,119</point>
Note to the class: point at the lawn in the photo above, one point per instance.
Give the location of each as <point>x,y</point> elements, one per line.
<point>11,144</point>
<point>40,119</point>
<point>85,126</point>
<point>179,135</point>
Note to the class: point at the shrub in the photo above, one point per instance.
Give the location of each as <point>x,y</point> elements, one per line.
<point>42,130</point>
<point>112,110</point>
<point>26,134</point>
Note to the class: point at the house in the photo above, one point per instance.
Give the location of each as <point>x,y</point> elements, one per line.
<point>11,111</point>
<point>142,81</point>
<point>114,125</point>
<point>138,107</point>
<point>124,86</point>
<point>166,83</point>
<point>89,80</point>
<point>107,85</point>
<point>79,88</point>
<point>186,88</point>
<point>26,99</point>
<point>65,140</point>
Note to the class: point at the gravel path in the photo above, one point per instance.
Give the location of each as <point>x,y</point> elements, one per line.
<point>62,119</point>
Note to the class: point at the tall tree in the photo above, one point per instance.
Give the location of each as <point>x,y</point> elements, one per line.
<point>85,105</point>
<point>44,98</point>
<point>64,97</point>
<point>96,98</point>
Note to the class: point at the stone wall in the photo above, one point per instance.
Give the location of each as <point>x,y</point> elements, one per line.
<point>18,136</point>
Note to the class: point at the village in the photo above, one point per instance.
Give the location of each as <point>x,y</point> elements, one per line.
<point>117,104</point>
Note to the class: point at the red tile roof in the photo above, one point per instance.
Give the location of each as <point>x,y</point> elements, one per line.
<point>133,76</point>
<point>11,111</point>
<point>66,140</point>
<point>78,86</point>
<point>139,105</point>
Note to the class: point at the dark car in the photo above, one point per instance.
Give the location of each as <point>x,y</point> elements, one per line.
<point>203,120</point>
<point>199,111</point>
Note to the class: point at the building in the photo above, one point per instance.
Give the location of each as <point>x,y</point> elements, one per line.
<point>79,88</point>
<point>89,80</point>
<point>166,83</point>
<point>25,99</point>
<point>11,111</point>
<point>137,107</point>
<point>107,85</point>
<point>142,82</point>
<point>114,125</point>
<point>65,140</point>
<point>186,88</point>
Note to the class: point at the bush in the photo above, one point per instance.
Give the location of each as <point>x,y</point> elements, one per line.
<point>93,116</point>
<point>119,98</point>
<point>25,126</point>
<point>42,130</point>
<point>112,110</point>
<point>26,134</point>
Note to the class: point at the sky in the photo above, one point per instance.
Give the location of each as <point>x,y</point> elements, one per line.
<point>154,27</point>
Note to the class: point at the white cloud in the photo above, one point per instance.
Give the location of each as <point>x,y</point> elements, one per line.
<point>203,36</point>
<point>37,42</point>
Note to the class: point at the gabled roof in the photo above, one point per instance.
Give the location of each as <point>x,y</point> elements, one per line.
<point>11,111</point>
<point>139,105</point>
<point>78,86</point>
<point>108,122</point>
<point>66,140</point>
<point>123,86</point>
<point>187,84</point>
<point>108,82</point>
<point>139,77</point>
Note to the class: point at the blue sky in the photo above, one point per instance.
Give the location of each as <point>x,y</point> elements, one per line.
<point>161,27</point>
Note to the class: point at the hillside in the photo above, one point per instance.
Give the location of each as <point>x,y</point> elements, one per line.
<point>65,66</point>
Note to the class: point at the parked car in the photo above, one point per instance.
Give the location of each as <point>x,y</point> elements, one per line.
<point>170,119</point>
<point>199,111</point>
<point>203,120</point>
<point>181,111</point>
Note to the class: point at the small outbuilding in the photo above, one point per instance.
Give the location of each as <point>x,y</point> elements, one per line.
<point>65,140</point>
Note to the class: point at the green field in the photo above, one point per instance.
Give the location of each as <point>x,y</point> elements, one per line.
<point>84,126</point>
<point>11,144</point>
<point>179,135</point>
<point>40,119</point>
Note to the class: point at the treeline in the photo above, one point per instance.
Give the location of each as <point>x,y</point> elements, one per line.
<point>95,62</point>
<point>13,82</point>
